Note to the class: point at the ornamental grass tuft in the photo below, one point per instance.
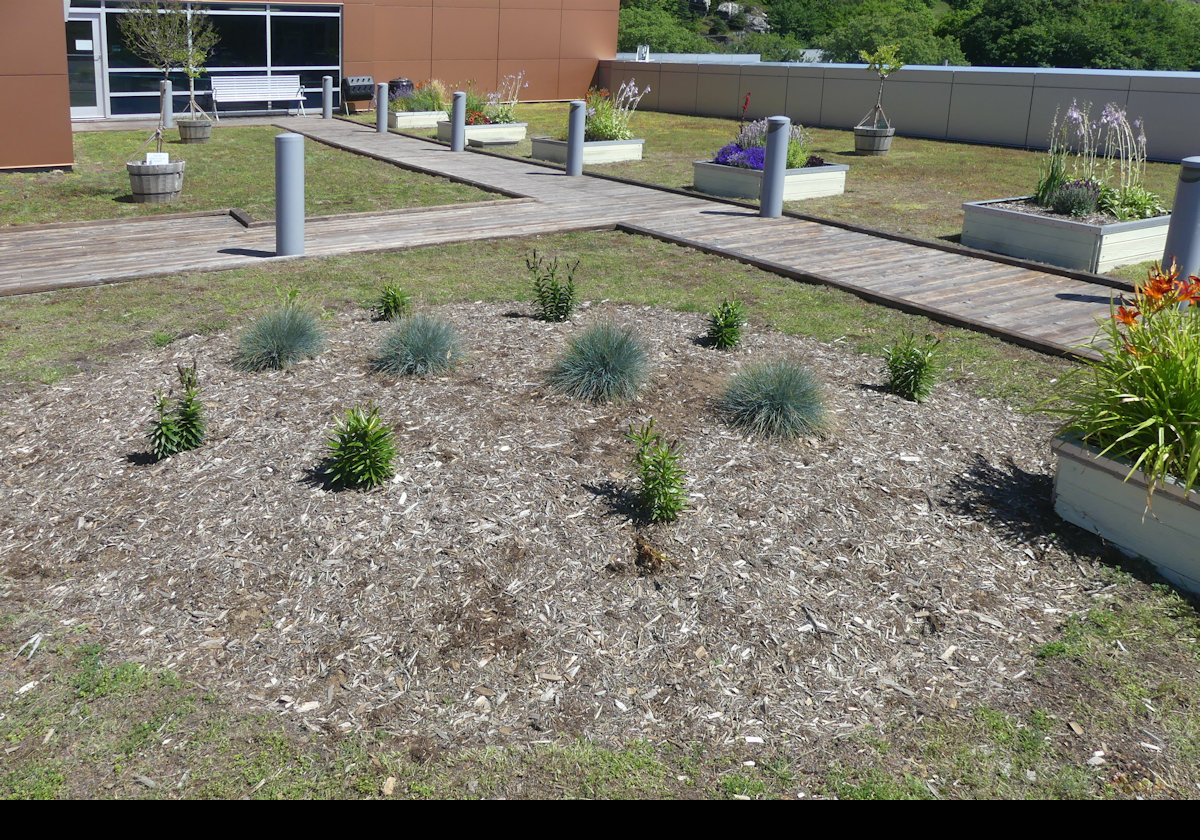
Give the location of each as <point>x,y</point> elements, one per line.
<point>603,363</point>
<point>779,400</point>
<point>280,338</point>
<point>419,345</point>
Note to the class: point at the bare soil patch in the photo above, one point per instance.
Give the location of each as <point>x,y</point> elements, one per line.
<point>498,590</point>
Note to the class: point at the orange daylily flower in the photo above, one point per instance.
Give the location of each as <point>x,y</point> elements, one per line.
<point>1127,315</point>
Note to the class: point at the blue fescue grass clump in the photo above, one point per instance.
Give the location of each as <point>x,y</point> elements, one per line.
<point>419,345</point>
<point>603,363</point>
<point>775,400</point>
<point>280,338</point>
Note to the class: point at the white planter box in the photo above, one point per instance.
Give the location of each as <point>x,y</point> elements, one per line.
<point>415,119</point>
<point>486,134</point>
<point>1063,242</point>
<point>594,151</point>
<point>1091,492</point>
<point>736,182</point>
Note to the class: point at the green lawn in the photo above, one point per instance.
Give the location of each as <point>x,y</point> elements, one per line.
<point>234,169</point>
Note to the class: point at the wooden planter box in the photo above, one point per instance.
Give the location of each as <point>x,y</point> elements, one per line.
<point>1091,492</point>
<point>416,119</point>
<point>736,182</point>
<point>497,133</point>
<point>594,151</point>
<point>1063,242</point>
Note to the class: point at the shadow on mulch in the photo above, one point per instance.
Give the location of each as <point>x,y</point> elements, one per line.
<point>618,498</point>
<point>140,459</point>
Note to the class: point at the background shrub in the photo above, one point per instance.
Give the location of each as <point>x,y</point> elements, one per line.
<point>661,495</point>
<point>912,368</point>
<point>775,400</point>
<point>280,338</point>
<point>392,303</point>
<point>1076,198</point>
<point>553,299</point>
<point>361,450</point>
<point>603,363</point>
<point>725,324</point>
<point>418,346</point>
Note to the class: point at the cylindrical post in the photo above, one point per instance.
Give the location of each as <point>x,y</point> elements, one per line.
<point>576,125</point>
<point>1183,234</point>
<point>327,97</point>
<point>779,129</point>
<point>381,107</point>
<point>166,94</point>
<point>289,194</point>
<point>458,122</point>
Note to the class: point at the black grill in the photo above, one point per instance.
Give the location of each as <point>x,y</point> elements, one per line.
<point>358,88</point>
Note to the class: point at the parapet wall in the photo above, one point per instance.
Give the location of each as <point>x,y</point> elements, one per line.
<point>999,106</point>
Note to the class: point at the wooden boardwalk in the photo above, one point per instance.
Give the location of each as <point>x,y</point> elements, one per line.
<point>1031,307</point>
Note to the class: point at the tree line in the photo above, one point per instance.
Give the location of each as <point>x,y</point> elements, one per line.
<point>1116,34</point>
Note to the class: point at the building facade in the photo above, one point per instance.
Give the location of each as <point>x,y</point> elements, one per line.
<point>46,79</point>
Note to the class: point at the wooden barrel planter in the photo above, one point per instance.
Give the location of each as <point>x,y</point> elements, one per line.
<point>194,131</point>
<point>873,141</point>
<point>156,183</point>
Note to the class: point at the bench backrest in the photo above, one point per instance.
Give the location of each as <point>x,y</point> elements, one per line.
<point>255,88</point>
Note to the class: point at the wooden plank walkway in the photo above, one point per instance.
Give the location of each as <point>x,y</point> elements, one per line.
<point>1031,307</point>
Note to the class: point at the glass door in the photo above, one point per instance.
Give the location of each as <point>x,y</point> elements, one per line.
<point>84,71</point>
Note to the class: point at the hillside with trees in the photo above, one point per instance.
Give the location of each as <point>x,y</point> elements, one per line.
<point>1119,34</point>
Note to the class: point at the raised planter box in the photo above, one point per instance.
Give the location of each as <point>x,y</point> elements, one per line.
<point>1091,492</point>
<point>486,134</point>
<point>594,151</point>
<point>1062,242</point>
<point>736,182</point>
<point>416,119</point>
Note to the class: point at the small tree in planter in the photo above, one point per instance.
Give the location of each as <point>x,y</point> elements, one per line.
<point>168,36</point>
<point>874,132</point>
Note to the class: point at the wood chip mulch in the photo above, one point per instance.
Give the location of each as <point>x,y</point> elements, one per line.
<point>499,589</point>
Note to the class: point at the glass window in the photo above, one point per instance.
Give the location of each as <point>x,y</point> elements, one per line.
<point>304,41</point>
<point>125,105</point>
<point>243,41</point>
<point>119,55</point>
<point>145,82</point>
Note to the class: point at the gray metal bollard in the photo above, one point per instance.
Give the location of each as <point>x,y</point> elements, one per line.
<point>327,97</point>
<point>576,125</point>
<point>1183,235</point>
<point>458,122</point>
<point>774,167</point>
<point>166,102</point>
<point>381,107</point>
<point>289,194</point>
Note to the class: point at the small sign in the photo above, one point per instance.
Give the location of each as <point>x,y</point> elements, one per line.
<point>84,46</point>
<point>158,158</point>
<point>643,52</point>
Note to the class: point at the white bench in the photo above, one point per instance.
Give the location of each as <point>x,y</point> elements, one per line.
<point>257,89</point>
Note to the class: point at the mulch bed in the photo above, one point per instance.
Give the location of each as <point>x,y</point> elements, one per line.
<point>500,589</point>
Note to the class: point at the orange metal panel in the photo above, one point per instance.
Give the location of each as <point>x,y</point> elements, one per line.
<point>461,34</point>
<point>529,33</point>
<point>589,34</point>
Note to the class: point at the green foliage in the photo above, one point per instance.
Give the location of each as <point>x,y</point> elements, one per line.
<point>1076,198</point>
<point>659,28</point>
<point>725,324</point>
<point>180,425</point>
<point>608,114</point>
<point>432,95</point>
<point>166,36</point>
<point>1132,202</point>
<point>280,338</point>
<point>775,400</point>
<point>554,298</point>
<point>419,345</point>
<point>361,450</point>
<point>1140,401</point>
<point>393,302</point>
<point>661,494</point>
<point>605,362</point>
<point>912,368</point>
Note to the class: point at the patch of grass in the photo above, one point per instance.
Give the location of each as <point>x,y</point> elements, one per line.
<point>419,345</point>
<point>39,344</point>
<point>917,189</point>
<point>603,363</point>
<point>873,784</point>
<point>235,169</point>
<point>775,400</point>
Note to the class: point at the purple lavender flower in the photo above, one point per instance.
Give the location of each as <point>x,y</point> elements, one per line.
<point>754,158</point>
<point>727,154</point>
